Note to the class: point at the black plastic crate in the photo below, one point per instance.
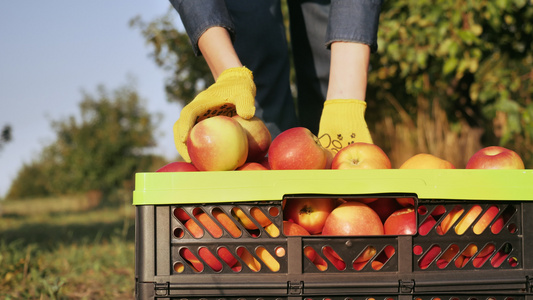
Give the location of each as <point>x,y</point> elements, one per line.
<point>504,271</point>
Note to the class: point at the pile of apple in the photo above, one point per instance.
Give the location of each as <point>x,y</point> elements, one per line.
<point>392,216</point>
<point>224,143</point>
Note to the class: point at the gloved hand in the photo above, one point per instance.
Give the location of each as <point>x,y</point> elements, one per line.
<point>232,93</point>
<point>342,123</point>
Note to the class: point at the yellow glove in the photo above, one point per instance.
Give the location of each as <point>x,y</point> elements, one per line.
<point>342,123</point>
<point>232,93</point>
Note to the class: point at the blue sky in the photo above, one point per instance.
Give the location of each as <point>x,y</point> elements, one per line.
<point>51,51</point>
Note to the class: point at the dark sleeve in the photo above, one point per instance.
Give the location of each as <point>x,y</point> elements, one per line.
<point>199,15</point>
<point>354,21</point>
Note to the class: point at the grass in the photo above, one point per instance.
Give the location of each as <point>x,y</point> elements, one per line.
<point>61,248</point>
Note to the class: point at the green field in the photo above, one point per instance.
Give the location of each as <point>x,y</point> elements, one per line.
<point>62,248</point>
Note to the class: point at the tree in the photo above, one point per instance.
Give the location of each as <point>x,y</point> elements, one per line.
<point>450,77</point>
<point>100,151</point>
<point>172,52</point>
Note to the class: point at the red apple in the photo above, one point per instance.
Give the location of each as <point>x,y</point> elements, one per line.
<point>406,202</point>
<point>211,259</point>
<point>384,207</point>
<point>293,229</point>
<point>401,222</point>
<point>216,232</point>
<point>495,157</point>
<point>427,225</point>
<point>217,144</point>
<point>193,261</point>
<point>447,256</point>
<point>264,161</point>
<point>334,258</point>
<point>426,161</point>
<point>485,220</point>
<point>429,256</point>
<point>250,166</point>
<point>310,213</point>
<point>178,166</point>
<point>297,149</point>
<point>258,135</point>
<point>353,218</point>
<point>361,156</point>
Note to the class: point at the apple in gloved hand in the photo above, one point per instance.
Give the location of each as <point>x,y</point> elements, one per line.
<point>217,144</point>
<point>259,137</point>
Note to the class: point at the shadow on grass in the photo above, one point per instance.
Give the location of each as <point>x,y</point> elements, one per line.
<point>49,235</point>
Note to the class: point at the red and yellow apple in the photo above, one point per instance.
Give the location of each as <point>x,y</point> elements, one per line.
<point>297,149</point>
<point>485,220</point>
<point>468,219</point>
<point>361,156</point>
<point>334,258</point>
<point>192,260</point>
<point>310,213</point>
<point>426,161</point>
<point>272,230</point>
<point>293,229</point>
<point>495,157</point>
<point>211,226</point>
<point>353,218</point>
<point>258,135</point>
<point>450,219</point>
<point>447,256</point>
<point>217,144</point>
<point>251,166</point>
<point>178,166</point>
<point>256,213</point>
<point>401,222</point>
<point>268,259</point>
<point>250,261</point>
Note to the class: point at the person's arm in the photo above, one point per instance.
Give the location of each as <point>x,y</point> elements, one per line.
<point>351,36</point>
<point>217,48</point>
<point>348,71</point>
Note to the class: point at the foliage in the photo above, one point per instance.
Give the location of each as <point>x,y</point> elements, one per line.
<point>173,53</point>
<point>472,58</point>
<point>102,151</point>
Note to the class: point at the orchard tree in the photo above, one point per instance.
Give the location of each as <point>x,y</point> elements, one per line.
<point>99,151</point>
<point>172,52</point>
<point>452,76</point>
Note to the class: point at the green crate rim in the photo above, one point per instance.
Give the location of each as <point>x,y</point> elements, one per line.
<point>237,186</point>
